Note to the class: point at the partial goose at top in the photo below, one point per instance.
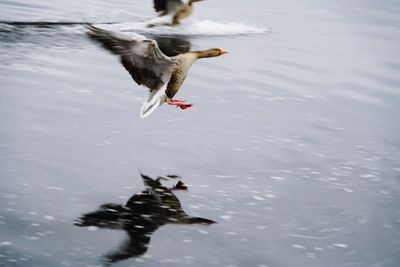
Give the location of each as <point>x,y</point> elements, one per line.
<point>172,11</point>
<point>150,67</point>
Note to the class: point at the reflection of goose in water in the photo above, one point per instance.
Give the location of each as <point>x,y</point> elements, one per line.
<point>143,214</point>
<point>172,46</point>
<point>171,12</point>
<point>148,66</point>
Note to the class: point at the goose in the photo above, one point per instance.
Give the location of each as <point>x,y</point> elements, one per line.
<point>150,67</point>
<point>173,10</point>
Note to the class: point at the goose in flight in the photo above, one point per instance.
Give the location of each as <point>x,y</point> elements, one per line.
<point>173,10</point>
<point>150,67</point>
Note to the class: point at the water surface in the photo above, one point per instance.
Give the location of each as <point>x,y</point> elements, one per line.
<point>292,144</point>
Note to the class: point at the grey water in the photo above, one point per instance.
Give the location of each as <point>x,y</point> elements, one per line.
<point>292,145</point>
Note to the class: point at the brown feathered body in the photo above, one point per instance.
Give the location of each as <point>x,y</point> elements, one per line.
<point>179,73</point>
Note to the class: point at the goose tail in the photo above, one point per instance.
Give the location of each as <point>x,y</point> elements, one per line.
<point>155,100</point>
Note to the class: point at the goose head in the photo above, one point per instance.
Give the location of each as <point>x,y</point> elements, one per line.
<point>212,52</point>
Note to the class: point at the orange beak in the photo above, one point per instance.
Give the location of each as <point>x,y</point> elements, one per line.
<point>223,52</point>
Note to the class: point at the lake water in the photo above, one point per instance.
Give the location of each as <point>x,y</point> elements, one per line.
<point>292,144</point>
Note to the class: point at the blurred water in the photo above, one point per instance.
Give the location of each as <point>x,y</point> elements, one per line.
<point>292,145</point>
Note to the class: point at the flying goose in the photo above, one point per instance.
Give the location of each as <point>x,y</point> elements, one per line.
<point>148,66</point>
<point>175,9</point>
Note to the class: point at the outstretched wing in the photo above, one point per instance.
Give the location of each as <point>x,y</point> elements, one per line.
<point>165,7</point>
<point>141,57</point>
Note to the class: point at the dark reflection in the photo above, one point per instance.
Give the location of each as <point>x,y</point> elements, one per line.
<point>24,37</point>
<point>143,214</point>
<point>47,24</point>
<point>172,46</point>
<point>40,24</point>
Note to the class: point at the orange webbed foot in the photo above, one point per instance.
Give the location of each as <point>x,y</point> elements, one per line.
<point>179,103</point>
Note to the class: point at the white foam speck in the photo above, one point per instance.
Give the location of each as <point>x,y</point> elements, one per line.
<point>147,256</point>
<point>57,188</point>
<point>5,243</point>
<point>275,98</point>
<point>93,228</point>
<point>310,255</point>
<point>202,231</point>
<point>232,233</point>
<point>226,217</point>
<point>367,175</point>
<point>224,176</point>
<point>340,245</point>
<point>49,217</point>
<point>304,236</point>
<point>298,246</point>
<point>278,178</point>
<point>387,226</point>
<point>258,198</point>
<point>128,187</point>
<point>170,260</point>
